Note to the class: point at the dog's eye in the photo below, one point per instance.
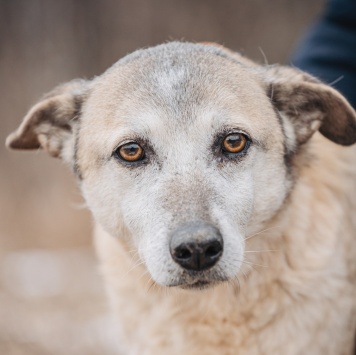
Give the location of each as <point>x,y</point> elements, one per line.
<point>130,152</point>
<point>234,143</point>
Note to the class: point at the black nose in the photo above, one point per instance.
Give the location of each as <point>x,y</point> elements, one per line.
<point>196,246</point>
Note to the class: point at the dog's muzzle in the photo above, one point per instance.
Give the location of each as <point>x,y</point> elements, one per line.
<point>196,246</point>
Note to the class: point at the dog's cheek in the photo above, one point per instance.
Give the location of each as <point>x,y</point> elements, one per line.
<point>120,208</point>
<point>104,194</point>
<point>271,188</point>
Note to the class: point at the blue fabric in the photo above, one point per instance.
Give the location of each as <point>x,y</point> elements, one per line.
<point>328,51</point>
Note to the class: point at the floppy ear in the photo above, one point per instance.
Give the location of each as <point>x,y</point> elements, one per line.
<point>311,105</point>
<point>51,122</point>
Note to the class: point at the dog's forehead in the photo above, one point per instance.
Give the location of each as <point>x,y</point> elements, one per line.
<point>163,91</point>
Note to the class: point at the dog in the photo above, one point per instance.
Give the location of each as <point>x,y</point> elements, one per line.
<point>224,198</point>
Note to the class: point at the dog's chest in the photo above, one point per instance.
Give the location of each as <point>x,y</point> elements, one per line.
<point>217,323</point>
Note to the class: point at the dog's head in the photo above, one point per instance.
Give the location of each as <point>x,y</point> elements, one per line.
<point>183,149</point>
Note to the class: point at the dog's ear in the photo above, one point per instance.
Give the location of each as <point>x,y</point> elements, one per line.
<point>310,105</point>
<point>50,123</point>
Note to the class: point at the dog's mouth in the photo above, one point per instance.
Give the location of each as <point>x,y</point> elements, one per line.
<point>198,285</point>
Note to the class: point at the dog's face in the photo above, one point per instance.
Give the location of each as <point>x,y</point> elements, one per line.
<point>179,114</point>
<point>185,150</point>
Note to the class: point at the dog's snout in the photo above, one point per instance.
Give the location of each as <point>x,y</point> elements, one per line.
<point>196,246</point>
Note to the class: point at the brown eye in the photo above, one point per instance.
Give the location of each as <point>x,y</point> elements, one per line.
<point>130,152</point>
<point>234,143</point>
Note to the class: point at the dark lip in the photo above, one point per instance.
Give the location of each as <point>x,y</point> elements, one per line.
<point>199,285</point>
<point>198,280</point>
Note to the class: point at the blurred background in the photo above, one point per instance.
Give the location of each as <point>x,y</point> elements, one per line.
<point>51,296</point>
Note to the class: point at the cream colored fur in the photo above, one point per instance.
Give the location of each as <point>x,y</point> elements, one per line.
<point>286,282</point>
<point>301,301</point>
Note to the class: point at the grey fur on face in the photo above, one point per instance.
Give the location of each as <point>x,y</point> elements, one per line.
<point>179,102</point>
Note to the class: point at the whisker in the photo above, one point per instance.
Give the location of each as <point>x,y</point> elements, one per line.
<point>133,251</point>
<point>263,55</point>
<point>258,233</point>
<point>238,285</point>
<point>134,267</point>
<point>336,80</point>
<point>235,283</point>
<point>147,283</point>
<point>246,277</point>
<point>152,284</point>
<point>260,251</point>
<point>272,92</point>
<point>251,263</point>
<point>254,268</point>
<point>143,274</point>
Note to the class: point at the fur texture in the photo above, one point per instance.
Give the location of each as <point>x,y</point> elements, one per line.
<point>285,206</point>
